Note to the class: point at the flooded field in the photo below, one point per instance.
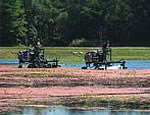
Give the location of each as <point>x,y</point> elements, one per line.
<point>73,87</point>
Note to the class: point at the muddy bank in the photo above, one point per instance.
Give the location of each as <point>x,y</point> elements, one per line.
<point>74,87</point>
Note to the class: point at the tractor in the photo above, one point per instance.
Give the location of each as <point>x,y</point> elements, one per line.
<point>102,59</point>
<point>35,58</point>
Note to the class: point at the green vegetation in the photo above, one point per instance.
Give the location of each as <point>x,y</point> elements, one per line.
<point>75,22</point>
<point>131,53</point>
<point>113,103</point>
<point>91,102</point>
<point>76,54</point>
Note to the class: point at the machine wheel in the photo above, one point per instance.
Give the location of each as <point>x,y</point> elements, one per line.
<point>84,67</point>
<point>49,65</point>
<point>54,65</point>
<point>32,66</point>
<point>20,66</point>
<point>36,65</point>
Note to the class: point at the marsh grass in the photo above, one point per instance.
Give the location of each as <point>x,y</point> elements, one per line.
<point>113,103</point>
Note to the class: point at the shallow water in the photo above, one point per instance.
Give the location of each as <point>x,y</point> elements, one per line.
<point>63,111</point>
<point>131,64</point>
<point>8,61</point>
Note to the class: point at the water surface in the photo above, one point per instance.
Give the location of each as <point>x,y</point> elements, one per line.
<point>131,64</point>
<point>63,111</point>
<point>9,61</point>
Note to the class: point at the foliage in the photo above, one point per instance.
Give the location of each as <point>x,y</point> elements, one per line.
<point>12,22</point>
<point>65,22</point>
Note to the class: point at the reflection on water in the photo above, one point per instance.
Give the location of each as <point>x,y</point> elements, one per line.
<point>63,111</point>
<point>131,64</point>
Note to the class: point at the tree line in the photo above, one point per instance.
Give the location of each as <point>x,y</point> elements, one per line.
<point>75,22</point>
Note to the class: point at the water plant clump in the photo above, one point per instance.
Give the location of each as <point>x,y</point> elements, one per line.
<point>111,103</point>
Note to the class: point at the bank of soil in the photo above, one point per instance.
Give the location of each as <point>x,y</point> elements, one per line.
<point>74,87</point>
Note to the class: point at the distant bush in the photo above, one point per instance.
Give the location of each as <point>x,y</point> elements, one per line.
<point>80,42</point>
<point>85,43</point>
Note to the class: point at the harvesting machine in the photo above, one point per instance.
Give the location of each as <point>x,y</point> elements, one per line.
<point>102,59</point>
<point>35,58</point>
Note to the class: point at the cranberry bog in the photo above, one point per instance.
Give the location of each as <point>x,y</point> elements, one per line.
<point>74,88</point>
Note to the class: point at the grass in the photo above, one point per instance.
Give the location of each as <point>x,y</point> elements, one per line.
<point>69,55</point>
<point>112,103</point>
<point>91,102</point>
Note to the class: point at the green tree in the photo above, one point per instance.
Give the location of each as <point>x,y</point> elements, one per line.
<point>12,23</point>
<point>42,15</point>
<point>61,22</point>
<point>93,14</point>
<point>118,20</point>
<point>141,11</point>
